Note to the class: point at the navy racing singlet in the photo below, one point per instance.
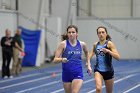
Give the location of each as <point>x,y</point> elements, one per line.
<point>103,60</point>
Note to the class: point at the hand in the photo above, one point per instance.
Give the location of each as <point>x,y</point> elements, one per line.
<point>23,53</point>
<point>7,43</point>
<point>21,50</point>
<point>89,71</point>
<point>105,50</point>
<point>86,64</point>
<point>64,60</point>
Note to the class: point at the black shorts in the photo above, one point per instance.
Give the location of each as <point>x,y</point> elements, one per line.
<point>106,75</point>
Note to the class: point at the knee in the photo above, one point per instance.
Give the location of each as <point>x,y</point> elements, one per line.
<point>74,92</point>
<point>98,89</point>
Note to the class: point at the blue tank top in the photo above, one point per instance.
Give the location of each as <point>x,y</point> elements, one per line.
<point>103,60</point>
<point>73,54</point>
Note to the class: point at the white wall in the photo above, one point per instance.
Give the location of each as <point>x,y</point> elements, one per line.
<point>29,10</point>
<point>136,8</point>
<point>87,27</point>
<point>53,34</point>
<point>129,49</point>
<point>8,4</point>
<point>83,4</point>
<point>60,8</point>
<point>28,13</point>
<point>110,8</point>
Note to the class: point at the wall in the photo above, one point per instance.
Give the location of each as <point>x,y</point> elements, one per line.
<point>110,8</point>
<point>129,49</point>
<point>8,4</point>
<point>28,13</point>
<point>87,27</point>
<point>61,8</point>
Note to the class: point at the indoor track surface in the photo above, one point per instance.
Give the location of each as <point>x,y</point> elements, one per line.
<point>48,80</point>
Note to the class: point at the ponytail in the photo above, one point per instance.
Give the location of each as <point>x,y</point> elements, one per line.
<point>108,37</point>
<point>64,37</point>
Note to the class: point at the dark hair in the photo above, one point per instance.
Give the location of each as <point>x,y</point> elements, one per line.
<point>64,36</point>
<point>108,36</point>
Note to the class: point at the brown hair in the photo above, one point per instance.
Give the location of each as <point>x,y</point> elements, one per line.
<point>64,36</point>
<point>108,36</point>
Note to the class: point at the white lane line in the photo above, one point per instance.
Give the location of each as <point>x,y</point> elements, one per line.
<point>29,81</point>
<point>29,89</point>
<point>24,76</point>
<point>20,77</point>
<point>88,81</point>
<point>138,85</point>
<point>59,90</point>
<point>121,79</point>
<point>62,89</point>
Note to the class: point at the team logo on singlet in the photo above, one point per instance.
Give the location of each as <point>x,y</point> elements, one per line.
<point>74,52</point>
<point>100,52</point>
